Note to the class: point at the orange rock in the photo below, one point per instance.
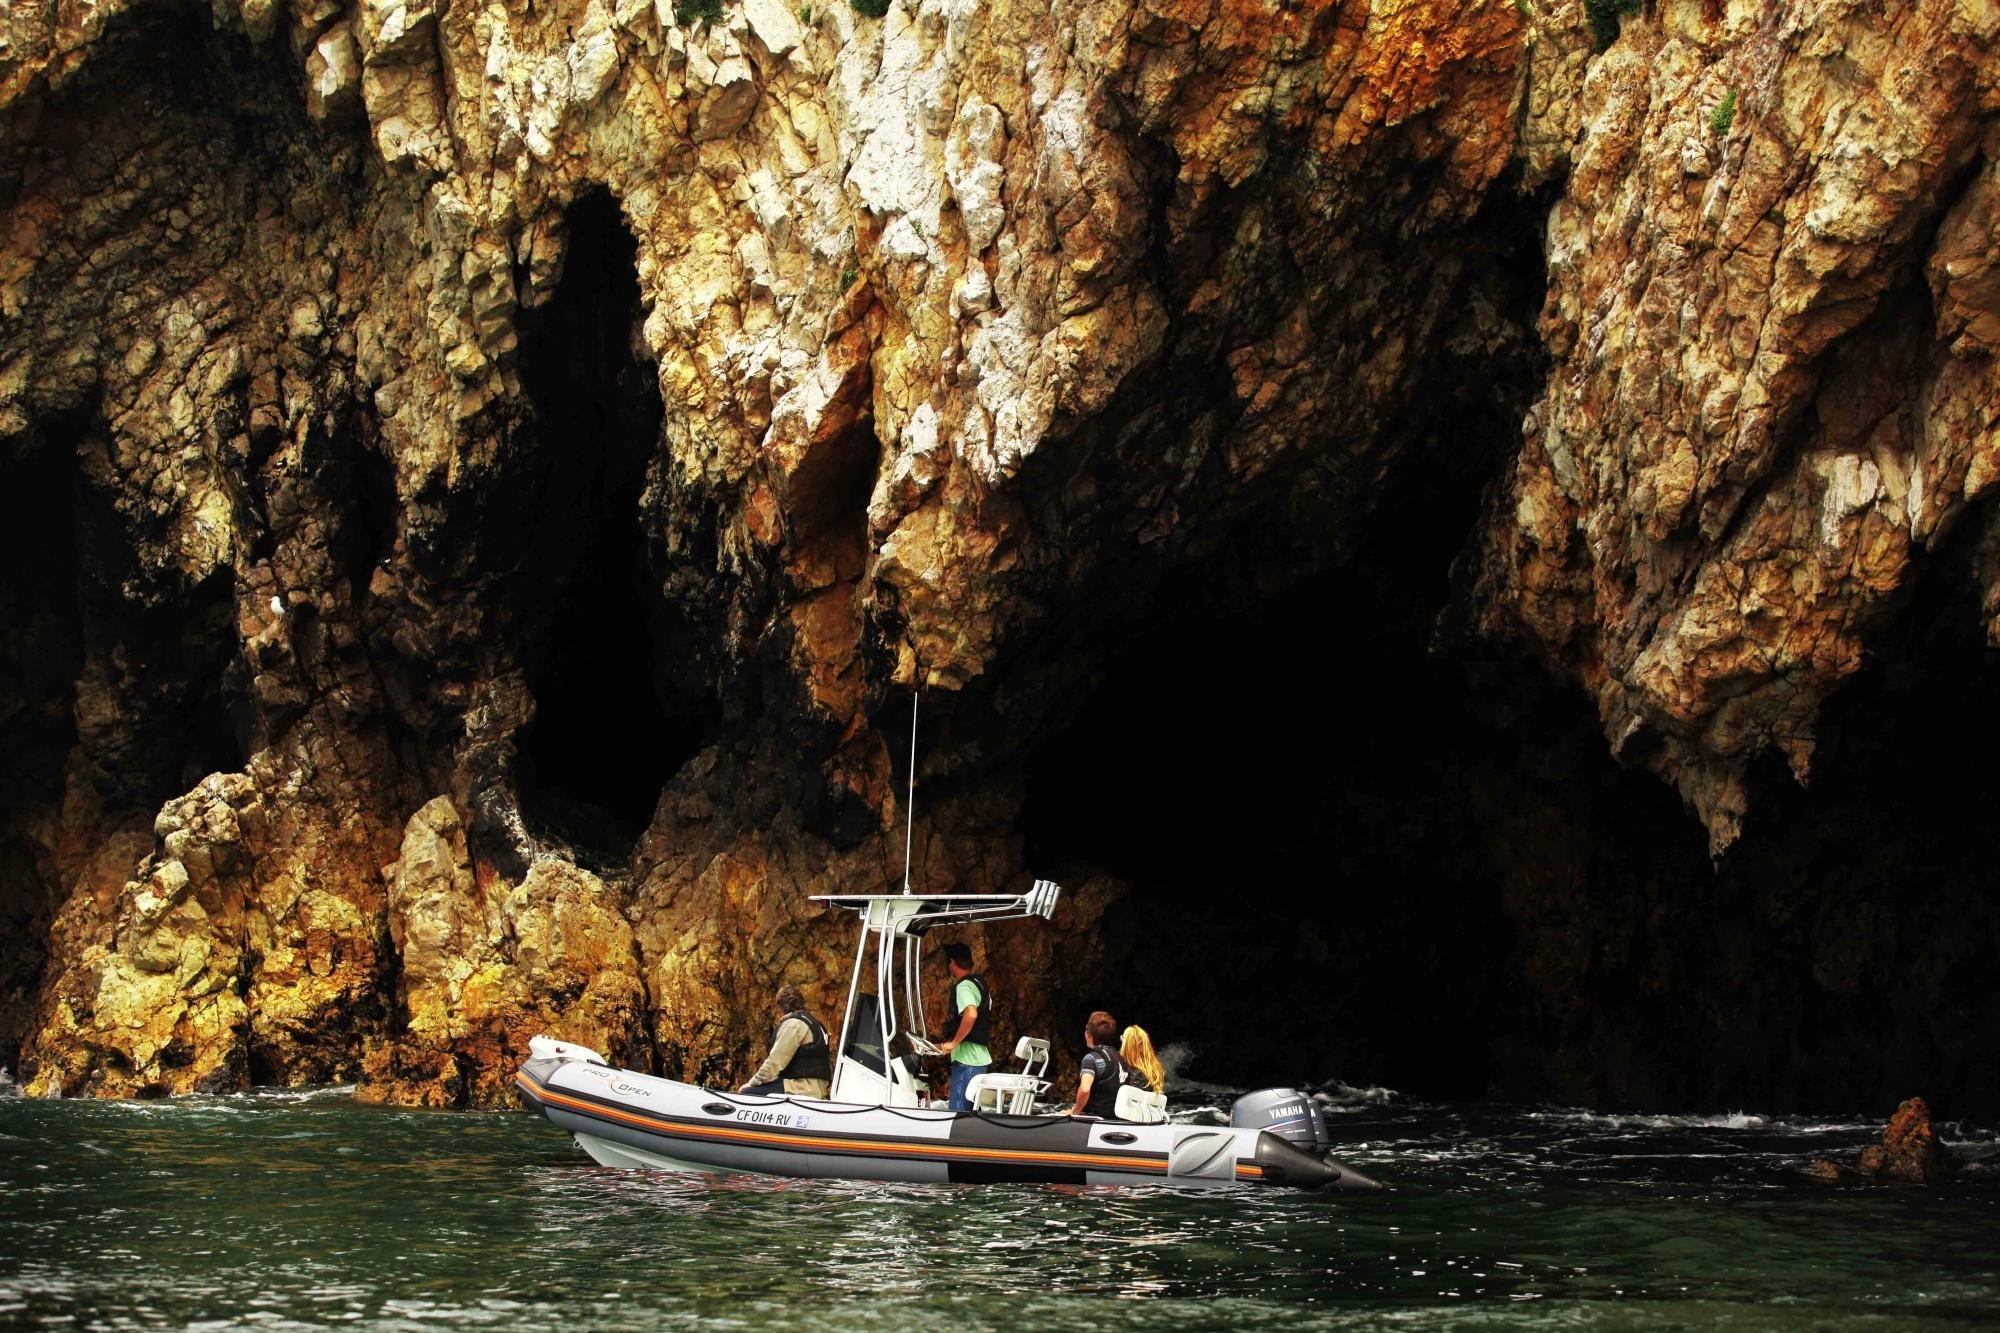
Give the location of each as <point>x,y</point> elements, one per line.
<point>1910,1149</point>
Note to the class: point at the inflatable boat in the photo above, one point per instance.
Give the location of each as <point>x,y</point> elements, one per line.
<point>879,1123</point>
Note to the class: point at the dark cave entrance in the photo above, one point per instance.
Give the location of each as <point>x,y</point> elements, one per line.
<point>1874,891</point>
<point>43,633</point>
<point>1352,856</point>
<point>171,658</point>
<point>1270,821</point>
<point>368,534</point>
<point>189,693</point>
<point>1291,783</point>
<point>1275,762</point>
<point>41,653</point>
<point>1359,845</point>
<point>612,722</point>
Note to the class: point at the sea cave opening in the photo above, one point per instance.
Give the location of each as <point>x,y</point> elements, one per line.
<point>612,722</point>
<point>1858,933</point>
<point>1313,815</point>
<point>1294,788</point>
<point>41,653</point>
<point>1352,852</point>
<point>1359,842</point>
<point>161,657</point>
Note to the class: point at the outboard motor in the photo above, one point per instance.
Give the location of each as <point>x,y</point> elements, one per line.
<point>1290,1114</point>
<point>1293,1148</point>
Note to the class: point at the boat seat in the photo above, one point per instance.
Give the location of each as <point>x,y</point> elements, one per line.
<point>1014,1094</point>
<point>1140,1106</point>
<point>1005,1094</point>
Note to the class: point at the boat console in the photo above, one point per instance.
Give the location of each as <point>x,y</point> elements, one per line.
<point>883,1032</point>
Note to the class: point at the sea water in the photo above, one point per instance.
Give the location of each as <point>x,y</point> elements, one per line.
<point>298,1210</point>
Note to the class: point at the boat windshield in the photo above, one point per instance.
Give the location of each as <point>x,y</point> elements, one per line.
<point>864,1035</point>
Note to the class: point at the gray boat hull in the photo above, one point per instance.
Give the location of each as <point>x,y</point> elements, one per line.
<point>628,1119</point>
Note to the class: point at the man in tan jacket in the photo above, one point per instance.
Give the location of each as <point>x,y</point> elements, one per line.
<point>801,1060</point>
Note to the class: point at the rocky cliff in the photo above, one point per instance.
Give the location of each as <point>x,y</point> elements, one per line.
<point>489,479</point>
<point>1771,311</point>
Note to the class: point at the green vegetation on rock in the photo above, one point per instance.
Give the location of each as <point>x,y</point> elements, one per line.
<point>1724,115</point>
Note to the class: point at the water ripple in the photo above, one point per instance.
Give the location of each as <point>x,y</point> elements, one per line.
<point>295,1210</point>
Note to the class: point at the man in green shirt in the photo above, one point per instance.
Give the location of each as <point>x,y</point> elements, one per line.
<point>970,1001</point>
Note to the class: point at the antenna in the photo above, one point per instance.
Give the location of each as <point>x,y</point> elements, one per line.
<point>910,806</point>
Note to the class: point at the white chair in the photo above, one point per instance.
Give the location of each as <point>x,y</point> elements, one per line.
<point>1141,1107</point>
<point>1013,1094</point>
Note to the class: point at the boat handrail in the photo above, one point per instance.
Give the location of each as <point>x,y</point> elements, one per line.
<point>933,909</point>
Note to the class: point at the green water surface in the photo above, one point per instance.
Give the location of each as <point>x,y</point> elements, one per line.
<point>307,1210</point>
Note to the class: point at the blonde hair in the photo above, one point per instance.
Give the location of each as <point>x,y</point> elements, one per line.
<point>1135,1048</point>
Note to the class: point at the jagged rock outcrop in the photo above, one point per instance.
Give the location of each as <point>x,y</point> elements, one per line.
<point>1910,1149</point>
<point>1769,286</point>
<point>1910,1153</point>
<point>484,966</point>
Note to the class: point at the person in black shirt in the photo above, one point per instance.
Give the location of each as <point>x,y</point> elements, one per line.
<point>1103,1070</point>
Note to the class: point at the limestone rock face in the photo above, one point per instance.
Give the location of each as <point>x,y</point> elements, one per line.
<point>951,330</point>
<point>240,946</point>
<point>485,967</point>
<point>1772,389</point>
<point>384,382</point>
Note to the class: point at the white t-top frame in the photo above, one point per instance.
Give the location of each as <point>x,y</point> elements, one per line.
<point>896,923</point>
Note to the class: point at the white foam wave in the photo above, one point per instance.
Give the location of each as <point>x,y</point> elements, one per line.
<point>321,1093</point>
<point>248,1102</point>
<point>1729,1120</point>
<point>1737,1120</point>
<point>1340,1096</point>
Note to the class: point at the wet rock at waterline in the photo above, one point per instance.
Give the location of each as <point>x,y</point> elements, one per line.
<point>1910,1153</point>
<point>1910,1148</point>
<point>488,482</point>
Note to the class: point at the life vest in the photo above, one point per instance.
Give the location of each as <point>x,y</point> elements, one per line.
<point>980,1025</point>
<point>813,1059</point>
<point>1104,1086</point>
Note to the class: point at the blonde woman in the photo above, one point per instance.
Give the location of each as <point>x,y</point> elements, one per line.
<point>1142,1063</point>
